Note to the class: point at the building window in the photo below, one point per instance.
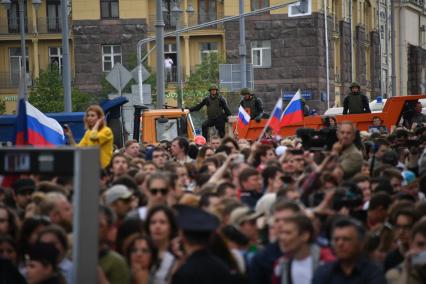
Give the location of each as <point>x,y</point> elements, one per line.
<point>53,12</point>
<point>261,54</point>
<point>206,49</point>
<point>258,4</point>
<point>111,54</point>
<point>13,17</point>
<point>109,9</point>
<point>207,11</point>
<point>15,64</point>
<point>55,57</point>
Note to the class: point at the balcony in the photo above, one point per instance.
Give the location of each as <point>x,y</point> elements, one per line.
<point>418,3</point>
<point>170,21</point>
<point>12,26</point>
<point>7,81</point>
<point>45,25</point>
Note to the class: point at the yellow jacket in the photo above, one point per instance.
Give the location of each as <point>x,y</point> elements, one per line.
<point>104,138</point>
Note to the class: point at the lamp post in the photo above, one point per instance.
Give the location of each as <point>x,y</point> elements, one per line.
<point>159,34</point>
<point>66,67</point>
<point>242,47</point>
<point>177,11</point>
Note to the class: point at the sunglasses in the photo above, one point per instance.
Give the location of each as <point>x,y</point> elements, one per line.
<point>155,191</point>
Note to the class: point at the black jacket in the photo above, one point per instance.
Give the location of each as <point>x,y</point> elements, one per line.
<point>355,104</point>
<point>202,267</point>
<point>206,102</point>
<point>258,107</point>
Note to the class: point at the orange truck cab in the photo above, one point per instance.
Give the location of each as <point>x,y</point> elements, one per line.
<point>154,125</point>
<point>395,109</point>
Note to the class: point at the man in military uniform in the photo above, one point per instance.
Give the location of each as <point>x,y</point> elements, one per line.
<point>217,112</point>
<point>252,104</point>
<point>356,102</point>
<point>201,266</point>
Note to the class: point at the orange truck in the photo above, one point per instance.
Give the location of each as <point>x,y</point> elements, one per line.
<point>154,125</point>
<point>393,111</point>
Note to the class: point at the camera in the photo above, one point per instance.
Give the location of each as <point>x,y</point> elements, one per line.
<point>321,140</point>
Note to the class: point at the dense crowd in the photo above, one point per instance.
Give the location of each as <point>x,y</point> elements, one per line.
<point>334,206</point>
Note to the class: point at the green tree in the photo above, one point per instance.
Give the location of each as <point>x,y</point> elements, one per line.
<point>47,94</point>
<point>206,73</point>
<point>2,106</point>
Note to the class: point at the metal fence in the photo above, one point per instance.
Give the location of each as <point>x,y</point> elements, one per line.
<point>170,21</point>
<point>44,25</point>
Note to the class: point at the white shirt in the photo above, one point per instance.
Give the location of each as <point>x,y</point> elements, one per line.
<point>301,271</point>
<point>168,62</point>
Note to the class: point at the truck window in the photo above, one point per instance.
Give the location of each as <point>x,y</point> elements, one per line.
<point>167,130</point>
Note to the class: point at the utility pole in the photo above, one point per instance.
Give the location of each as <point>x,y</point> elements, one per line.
<point>23,92</point>
<point>243,48</point>
<point>159,26</point>
<point>393,75</point>
<point>66,67</point>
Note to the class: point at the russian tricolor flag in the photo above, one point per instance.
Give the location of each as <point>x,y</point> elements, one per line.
<point>275,120</point>
<point>243,118</point>
<point>293,113</point>
<point>34,128</point>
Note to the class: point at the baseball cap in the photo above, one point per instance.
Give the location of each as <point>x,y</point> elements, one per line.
<point>117,192</point>
<point>242,214</point>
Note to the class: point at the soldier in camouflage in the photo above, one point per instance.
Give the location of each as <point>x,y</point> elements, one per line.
<point>356,102</point>
<point>252,104</point>
<point>217,112</point>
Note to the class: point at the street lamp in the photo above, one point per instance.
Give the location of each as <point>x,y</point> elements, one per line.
<point>177,11</point>
<point>6,4</point>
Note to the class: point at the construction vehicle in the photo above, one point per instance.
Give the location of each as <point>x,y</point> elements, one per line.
<point>394,111</point>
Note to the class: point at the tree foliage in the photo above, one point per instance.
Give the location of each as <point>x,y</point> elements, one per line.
<point>2,106</point>
<point>47,93</point>
<point>206,73</point>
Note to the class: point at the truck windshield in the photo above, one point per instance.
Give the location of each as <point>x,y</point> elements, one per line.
<point>168,130</point>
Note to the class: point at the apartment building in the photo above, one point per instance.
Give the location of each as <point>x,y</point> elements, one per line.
<point>43,44</point>
<point>288,50</point>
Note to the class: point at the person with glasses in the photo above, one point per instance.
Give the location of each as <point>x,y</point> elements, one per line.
<point>142,258</point>
<point>402,222</point>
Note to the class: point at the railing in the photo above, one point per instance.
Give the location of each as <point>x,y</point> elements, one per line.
<point>13,26</point>
<point>45,25</point>
<point>170,21</point>
<point>49,25</point>
<point>419,3</point>
<point>7,81</point>
<point>171,74</point>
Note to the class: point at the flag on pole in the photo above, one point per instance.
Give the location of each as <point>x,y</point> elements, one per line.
<point>275,120</point>
<point>243,118</point>
<point>34,128</point>
<point>293,113</point>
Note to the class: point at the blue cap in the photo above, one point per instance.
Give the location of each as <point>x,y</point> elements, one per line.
<point>195,220</point>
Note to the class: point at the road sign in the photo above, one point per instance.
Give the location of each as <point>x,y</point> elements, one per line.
<point>119,77</point>
<point>288,95</point>
<point>302,8</point>
<point>230,78</point>
<point>135,75</point>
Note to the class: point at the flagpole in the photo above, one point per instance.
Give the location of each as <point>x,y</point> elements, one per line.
<point>264,128</point>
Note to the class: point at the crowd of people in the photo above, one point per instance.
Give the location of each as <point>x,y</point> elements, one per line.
<point>280,210</point>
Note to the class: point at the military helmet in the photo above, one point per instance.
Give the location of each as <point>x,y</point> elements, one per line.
<point>213,87</point>
<point>355,85</point>
<point>246,91</point>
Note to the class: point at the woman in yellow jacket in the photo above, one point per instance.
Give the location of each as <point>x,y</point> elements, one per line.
<point>97,133</point>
